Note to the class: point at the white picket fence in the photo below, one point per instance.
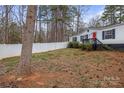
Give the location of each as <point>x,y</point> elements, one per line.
<point>11,50</point>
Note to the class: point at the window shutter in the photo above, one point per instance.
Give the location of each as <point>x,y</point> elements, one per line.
<point>76,39</point>
<point>113,33</point>
<point>81,38</point>
<point>102,35</point>
<point>86,36</point>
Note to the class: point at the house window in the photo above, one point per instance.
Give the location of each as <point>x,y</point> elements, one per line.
<point>74,38</point>
<point>110,34</point>
<point>86,36</point>
<point>81,38</point>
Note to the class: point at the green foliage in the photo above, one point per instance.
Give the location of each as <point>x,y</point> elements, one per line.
<point>88,47</point>
<point>73,44</point>
<point>70,45</point>
<point>80,45</point>
<point>113,14</point>
<point>83,47</point>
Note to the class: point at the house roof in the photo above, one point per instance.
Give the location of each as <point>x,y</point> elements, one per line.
<point>105,27</point>
<point>99,28</point>
<point>85,29</point>
<point>78,34</point>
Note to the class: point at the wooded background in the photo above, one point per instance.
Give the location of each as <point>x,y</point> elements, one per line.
<point>53,23</point>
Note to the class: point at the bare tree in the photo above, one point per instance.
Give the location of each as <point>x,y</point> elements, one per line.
<point>26,54</point>
<point>81,11</point>
<point>95,22</point>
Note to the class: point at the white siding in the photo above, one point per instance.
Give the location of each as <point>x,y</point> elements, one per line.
<point>70,39</point>
<point>119,35</point>
<point>78,38</point>
<point>11,50</point>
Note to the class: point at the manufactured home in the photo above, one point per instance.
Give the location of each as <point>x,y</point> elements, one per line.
<point>112,36</point>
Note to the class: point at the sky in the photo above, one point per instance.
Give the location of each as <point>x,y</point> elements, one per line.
<point>93,11</point>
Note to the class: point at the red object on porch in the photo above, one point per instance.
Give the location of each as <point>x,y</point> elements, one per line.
<point>94,35</point>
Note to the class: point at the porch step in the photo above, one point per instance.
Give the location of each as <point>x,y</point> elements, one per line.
<point>105,46</point>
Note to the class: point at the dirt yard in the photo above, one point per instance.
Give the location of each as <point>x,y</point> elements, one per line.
<point>67,68</point>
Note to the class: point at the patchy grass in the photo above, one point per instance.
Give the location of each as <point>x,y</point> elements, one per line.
<point>70,68</point>
<point>10,63</point>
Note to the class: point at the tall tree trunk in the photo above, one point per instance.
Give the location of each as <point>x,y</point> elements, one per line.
<point>78,18</point>
<point>47,27</point>
<point>26,53</point>
<point>6,23</point>
<point>40,26</point>
<point>62,32</point>
<point>21,16</point>
<point>120,14</point>
<point>36,39</point>
<point>47,32</point>
<point>2,29</point>
<point>53,28</point>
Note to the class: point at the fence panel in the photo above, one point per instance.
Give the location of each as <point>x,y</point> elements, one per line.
<point>11,50</point>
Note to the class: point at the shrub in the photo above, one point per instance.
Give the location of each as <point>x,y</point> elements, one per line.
<point>88,47</point>
<point>80,45</point>
<point>70,45</point>
<point>83,47</point>
<point>75,44</point>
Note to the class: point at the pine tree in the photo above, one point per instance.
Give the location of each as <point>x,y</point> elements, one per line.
<point>26,54</point>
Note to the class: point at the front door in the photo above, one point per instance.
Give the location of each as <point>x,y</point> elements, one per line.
<point>94,35</point>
